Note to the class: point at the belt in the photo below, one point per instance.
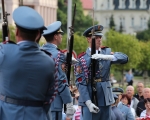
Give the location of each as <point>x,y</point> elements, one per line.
<point>100,80</point>
<point>21,102</point>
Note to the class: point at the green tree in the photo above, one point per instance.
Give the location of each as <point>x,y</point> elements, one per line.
<point>145,58</point>
<point>144,65</point>
<point>126,44</point>
<point>144,35</point>
<point>148,23</point>
<point>80,43</point>
<point>11,32</point>
<point>82,22</point>
<point>112,23</point>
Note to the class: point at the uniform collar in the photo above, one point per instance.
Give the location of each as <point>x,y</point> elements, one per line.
<point>50,45</point>
<point>27,44</point>
<point>88,51</point>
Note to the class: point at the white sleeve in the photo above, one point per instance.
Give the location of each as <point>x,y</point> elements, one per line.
<point>114,58</point>
<point>143,114</point>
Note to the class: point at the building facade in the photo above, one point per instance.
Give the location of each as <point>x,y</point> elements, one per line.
<point>87,7</point>
<point>133,15</point>
<point>46,8</point>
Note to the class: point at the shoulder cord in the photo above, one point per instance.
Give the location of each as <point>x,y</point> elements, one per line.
<point>85,68</point>
<point>56,78</point>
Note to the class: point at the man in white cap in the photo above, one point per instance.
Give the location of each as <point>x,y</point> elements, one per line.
<point>26,82</point>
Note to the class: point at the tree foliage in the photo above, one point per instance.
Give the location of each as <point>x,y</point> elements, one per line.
<point>144,35</point>
<point>112,23</point>
<point>145,58</point>
<point>127,44</point>
<point>82,22</point>
<point>11,34</point>
<point>80,43</point>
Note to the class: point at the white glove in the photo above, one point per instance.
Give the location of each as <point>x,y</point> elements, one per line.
<point>102,56</point>
<point>74,61</point>
<point>92,107</point>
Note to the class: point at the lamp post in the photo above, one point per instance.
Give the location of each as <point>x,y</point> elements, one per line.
<point>69,17</point>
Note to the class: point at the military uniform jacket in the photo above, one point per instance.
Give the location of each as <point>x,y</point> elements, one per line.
<point>83,78</point>
<point>126,111</point>
<point>24,75</point>
<point>63,95</point>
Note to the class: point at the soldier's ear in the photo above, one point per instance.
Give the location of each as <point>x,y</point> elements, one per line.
<point>55,36</point>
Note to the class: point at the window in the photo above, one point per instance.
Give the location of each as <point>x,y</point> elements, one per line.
<point>1,14</point>
<point>133,3</point>
<point>122,21</point>
<point>108,4</point>
<point>107,22</point>
<point>144,3</point>
<point>123,3</point>
<point>132,21</point>
<point>143,22</point>
<point>95,5</point>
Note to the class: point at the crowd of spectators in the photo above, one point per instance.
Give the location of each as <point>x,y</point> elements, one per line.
<point>128,104</point>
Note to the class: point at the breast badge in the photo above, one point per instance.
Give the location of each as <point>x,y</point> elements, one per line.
<point>63,67</point>
<point>78,69</point>
<point>100,65</point>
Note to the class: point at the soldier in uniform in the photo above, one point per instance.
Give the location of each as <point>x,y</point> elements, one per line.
<point>104,95</point>
<point>53,36</point>
<point>24,87</point>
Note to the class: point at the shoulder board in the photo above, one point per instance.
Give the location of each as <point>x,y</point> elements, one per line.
<point>48,53</point>
<point>81,54</point>
<point>9,41</point>
<point>103,47</point>
<point>62,51</point>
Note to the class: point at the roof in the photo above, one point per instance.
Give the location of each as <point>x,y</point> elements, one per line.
<point>127,3</point>
<point>87,4</point>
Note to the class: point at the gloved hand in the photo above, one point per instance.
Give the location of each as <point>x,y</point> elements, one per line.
<point>102,56</point>
<point>92,107</point>
<point>74,61</point>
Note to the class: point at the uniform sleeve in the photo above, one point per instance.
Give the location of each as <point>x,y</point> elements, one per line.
<point>63,87</point>
<point>1,53</point>
<point>81,82</point>
<point>52,90</point>
<point>120,58</point>
<point>130,115</point>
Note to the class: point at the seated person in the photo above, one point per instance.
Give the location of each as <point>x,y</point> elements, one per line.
<point>124,107</point>
<point>146,113</point>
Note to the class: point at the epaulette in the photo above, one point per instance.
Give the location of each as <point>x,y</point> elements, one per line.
<point>9,41</point>
<point>48,53</point>
<point>103,47</point>
<point>81,54</point>
<point>62,51</point>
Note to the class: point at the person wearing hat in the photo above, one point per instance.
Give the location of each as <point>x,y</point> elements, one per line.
<point>116,114</point>
<point>24,87</point>
<point>105,58</point>
<point>53,36</point>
